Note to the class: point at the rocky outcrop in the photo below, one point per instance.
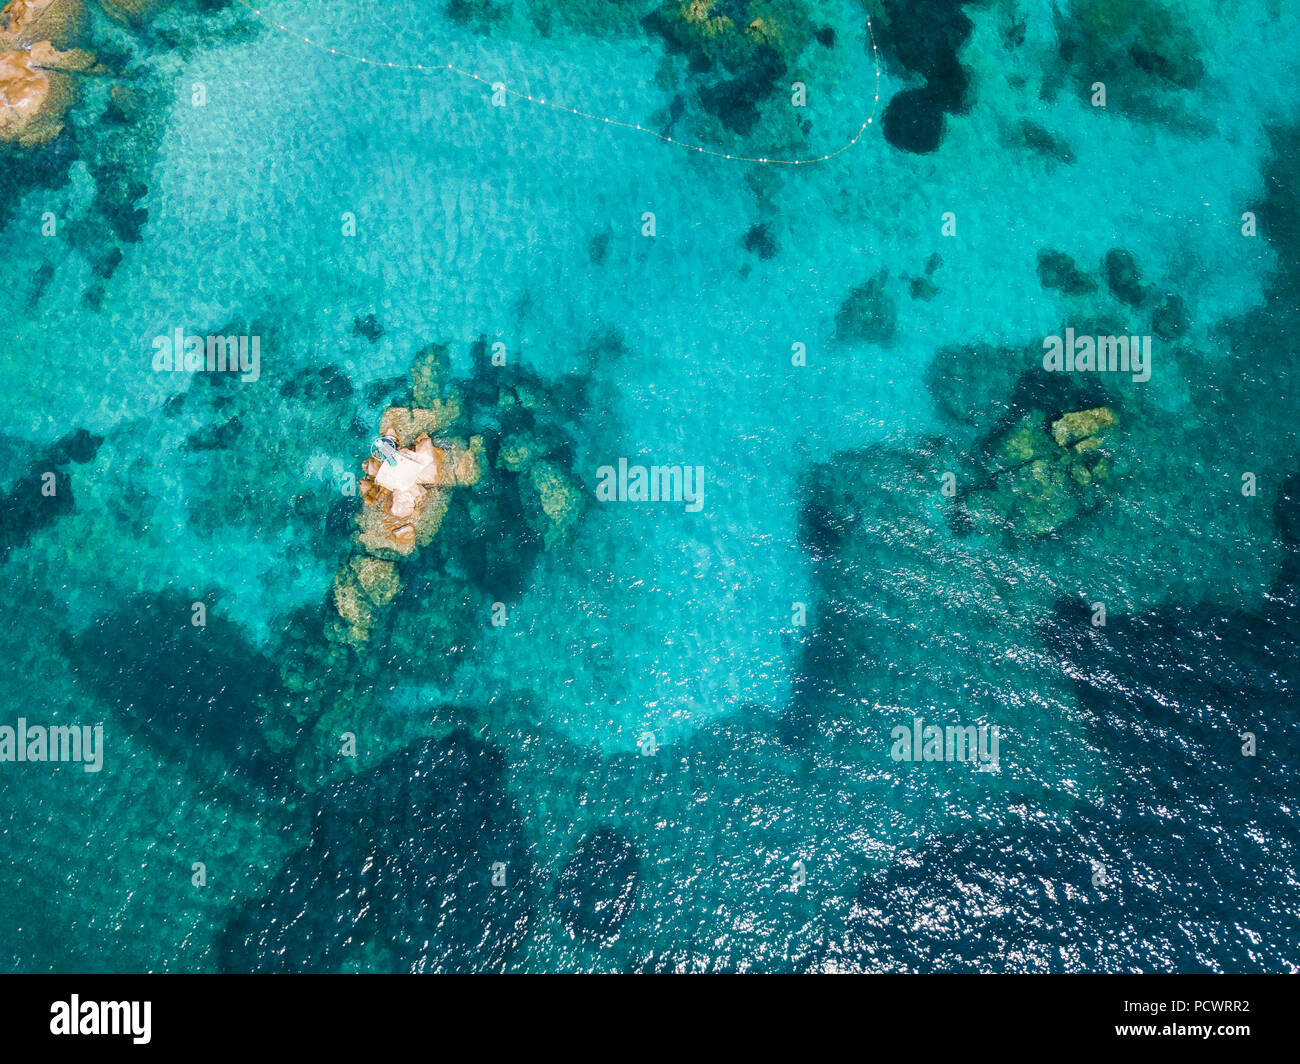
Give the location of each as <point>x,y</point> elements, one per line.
<point>733,34</point>
<point>25,22</point>
<point>405,503</point>
<point>1041,473</point>
<point>36,89</point>
<point>456,517</point>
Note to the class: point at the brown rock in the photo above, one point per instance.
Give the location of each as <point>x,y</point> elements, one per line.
<point>35,91</point>
<point>25,22</point>
<point>406,424</point>
<point>33,101</point>
<point>406,502</point>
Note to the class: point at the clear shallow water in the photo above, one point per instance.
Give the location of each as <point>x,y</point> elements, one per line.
<point>1120,745</point>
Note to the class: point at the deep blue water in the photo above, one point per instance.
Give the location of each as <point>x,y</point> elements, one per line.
<point>601,735</point>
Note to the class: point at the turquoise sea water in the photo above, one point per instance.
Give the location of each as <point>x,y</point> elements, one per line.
<point>650,678</point>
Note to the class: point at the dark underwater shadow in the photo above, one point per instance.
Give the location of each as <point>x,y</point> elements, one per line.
<point>402,858</point>
<point>1189,863</point>
<point>192,691</point>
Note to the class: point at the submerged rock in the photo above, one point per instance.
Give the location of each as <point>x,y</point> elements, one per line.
<point>43,493</point>
<point>597,887</point>
<point>869,314</point>
<point>559,501</point>
<point>750,42</point>
<point>1138,48</point>
<point>1057,270</point>
<point>79,446</point>
<point>126,104</point>
<point>134,12</point>
<point>1022,443</point>
<point>195,690</point>
<point>759,240</point>
<point>1123,276</point>
<point>913,121</point>
<point>368,327</point>
<point>1039,479</point>
<point>970,383</point>
<point>36,500</point>
<point>429,376</point>
<point>1170,321</point>
<point>1032,500</point>
<point>1071,429</point>
<point>733,33</point>
<point>923,37</point>
<point>1042,141</point>
<point>922,288</point>
<point>362,588</point>
<point>516,452</point>
<point>598,247</point>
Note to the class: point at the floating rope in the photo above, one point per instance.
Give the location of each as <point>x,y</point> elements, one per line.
<point>497,86</point>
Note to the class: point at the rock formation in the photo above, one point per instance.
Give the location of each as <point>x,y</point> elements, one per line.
<point>404,502</point>
<point>738,50</point>
<point>708,32</point>
<point>133,12</point>
<point>35,87</point>
<point>869,314</point>
<point>1142,50</point>
<point>25,22</point>
<point>923,38</point>
<point>479,482</point>
<point>404,505</point>
<point>1041,473</point>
